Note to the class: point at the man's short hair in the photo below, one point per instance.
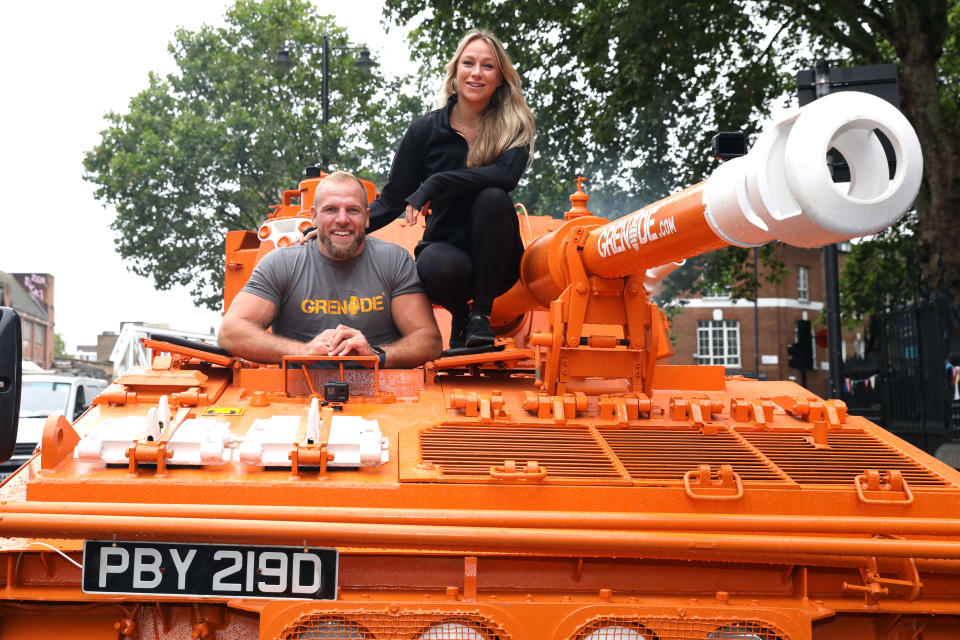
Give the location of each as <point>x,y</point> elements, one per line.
<point>340,177</point>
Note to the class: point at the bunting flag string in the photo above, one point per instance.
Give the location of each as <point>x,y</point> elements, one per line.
<point>954,379</point>
<point>867,383</point>
<point>870,383</point>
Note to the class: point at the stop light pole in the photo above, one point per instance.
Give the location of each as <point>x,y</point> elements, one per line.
<point>801,352</point>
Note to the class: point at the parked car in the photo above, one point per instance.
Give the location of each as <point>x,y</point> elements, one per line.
<point>43,395</point>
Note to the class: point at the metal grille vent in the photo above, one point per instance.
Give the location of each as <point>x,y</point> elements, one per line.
<point>575,454</point>
<point>615,629</point>
<point>667,455</point>
<point>689,628</point>
<point>414,625</point>
<point>567,452</point>
<point>848,456</point>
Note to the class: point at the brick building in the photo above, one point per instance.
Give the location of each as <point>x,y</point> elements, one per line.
<point>31,296</point>
<point>716,330</point>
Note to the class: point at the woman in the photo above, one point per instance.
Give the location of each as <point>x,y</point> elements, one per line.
<point>456,166</point>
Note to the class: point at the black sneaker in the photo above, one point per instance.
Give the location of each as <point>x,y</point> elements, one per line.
<point>458,332</point>
<point>479,333</point>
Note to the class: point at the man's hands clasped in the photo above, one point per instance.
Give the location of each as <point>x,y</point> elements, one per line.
<point>342,341</point>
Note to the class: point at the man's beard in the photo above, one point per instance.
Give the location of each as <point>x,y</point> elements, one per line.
<point>342,253</point>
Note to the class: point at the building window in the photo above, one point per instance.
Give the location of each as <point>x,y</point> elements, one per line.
<point>803,283</point>
<point>717,291</point>
<point>27,332</point>
<point>718,342</point>
<point>38,332</point>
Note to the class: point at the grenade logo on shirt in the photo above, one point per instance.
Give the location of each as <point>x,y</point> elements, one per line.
<point>355,305</point>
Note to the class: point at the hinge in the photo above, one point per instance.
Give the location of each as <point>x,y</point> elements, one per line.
<point>560,408</point>
<point>486,406</point>
<point>623,408</point>
<point>698,411</point>
<point>759,411</point>
<point>509,470</point>
<point>814,410</point>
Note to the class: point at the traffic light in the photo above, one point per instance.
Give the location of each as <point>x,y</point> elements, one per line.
<point>801,351</point>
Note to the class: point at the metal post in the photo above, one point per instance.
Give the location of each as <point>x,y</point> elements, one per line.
<point>831,277</point>
<point>325,97</point>
<point>325,91</point>
<point>756,316</point>
<point>831,272</point>
<point>284,62</point>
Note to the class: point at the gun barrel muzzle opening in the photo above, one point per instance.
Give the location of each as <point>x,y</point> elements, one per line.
<point>783,189</point>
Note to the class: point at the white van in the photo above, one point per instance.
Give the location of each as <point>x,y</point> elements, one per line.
<point>42,395</point>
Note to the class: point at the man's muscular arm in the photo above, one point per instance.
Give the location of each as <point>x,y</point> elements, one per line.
<point>243,332</point>
<point>413,316</point>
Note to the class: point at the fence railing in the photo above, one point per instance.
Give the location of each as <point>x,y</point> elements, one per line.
<point>908,380</point>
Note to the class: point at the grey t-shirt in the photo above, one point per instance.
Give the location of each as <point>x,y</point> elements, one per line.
<point>314,292</point>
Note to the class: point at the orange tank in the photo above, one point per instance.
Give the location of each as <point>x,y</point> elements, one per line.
<point>565,487</point>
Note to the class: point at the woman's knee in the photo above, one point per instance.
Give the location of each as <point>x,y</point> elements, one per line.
<point>438,257</point>
<point>492,201</point>
<point>444,270</point>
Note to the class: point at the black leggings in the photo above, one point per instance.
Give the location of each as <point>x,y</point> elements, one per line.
<point>453,276</point>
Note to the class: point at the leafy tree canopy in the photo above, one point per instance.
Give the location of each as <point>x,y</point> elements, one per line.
<point>59,346</point>
<point>629,92</point>
<point>210,147</point>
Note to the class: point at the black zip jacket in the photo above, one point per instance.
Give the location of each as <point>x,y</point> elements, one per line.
<point>431,166</point>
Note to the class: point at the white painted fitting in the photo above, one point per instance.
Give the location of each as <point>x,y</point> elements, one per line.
<point>656,274</point>
<point>782,189</point>
<point>313,422</point>
<point>268,441</point>
<point>163,414</point>
<point>200,441</point>
<point>356,442</point>
<point>279,228</point>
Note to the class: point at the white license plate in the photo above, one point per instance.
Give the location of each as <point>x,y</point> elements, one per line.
<point>209,570</point>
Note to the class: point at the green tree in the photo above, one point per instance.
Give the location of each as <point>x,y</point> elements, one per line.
<point>59,346</point>
<point>210,147</point>
<point>629,92</point>
<point>882,267</point>
<point>878,269</point>
<point>620,89</point>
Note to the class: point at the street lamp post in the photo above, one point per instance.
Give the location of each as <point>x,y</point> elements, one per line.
<point>284,62</point>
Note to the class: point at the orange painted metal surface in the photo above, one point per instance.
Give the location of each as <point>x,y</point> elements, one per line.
<point>667,231</point>
<point>567,487</point>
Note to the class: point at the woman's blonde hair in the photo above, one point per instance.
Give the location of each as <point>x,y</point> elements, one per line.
<point>507,121</point>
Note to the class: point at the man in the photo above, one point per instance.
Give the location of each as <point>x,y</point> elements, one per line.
<point>341,294</point>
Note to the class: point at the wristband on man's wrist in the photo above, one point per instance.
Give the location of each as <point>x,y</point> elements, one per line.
<point>380,354</point>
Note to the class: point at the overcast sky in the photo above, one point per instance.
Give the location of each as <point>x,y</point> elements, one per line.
<point>63,65</point>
